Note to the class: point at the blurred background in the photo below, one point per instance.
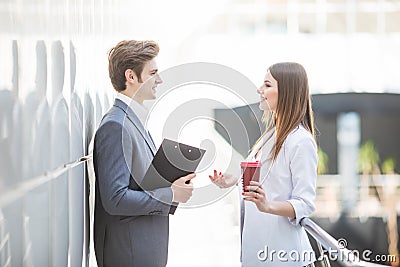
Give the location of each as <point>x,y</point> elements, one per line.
<point>54,89</point>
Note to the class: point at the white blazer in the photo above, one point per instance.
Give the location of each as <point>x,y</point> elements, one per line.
<point>272,240</point>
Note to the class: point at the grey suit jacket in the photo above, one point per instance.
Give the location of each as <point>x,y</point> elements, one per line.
<point>130,226</point>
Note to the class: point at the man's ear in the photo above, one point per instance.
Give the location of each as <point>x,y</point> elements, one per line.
<point>130,76</point>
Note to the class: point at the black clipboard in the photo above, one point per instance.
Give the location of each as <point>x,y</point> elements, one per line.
<point>172,161</point>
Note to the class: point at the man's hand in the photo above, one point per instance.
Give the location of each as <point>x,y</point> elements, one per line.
<point>183,188</point>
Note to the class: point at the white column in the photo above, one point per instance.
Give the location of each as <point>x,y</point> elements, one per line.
<point>348,137</point>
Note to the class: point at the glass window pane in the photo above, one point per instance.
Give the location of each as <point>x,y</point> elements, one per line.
<point>336,23</point>
<point>277,2</point>
<point>392,21</point>
<point>277,23</point>
<point>246,24</point>
<point>307,23</point>
<point>336,1</point>
<point>366,22</point>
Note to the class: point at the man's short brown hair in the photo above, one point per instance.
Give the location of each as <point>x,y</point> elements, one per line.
<point>129,54</point>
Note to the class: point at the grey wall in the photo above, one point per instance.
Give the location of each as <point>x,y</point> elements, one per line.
<point>42,199</point>
<point>50,106</point>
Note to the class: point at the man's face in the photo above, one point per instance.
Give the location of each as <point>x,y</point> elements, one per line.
<point>149,81</point>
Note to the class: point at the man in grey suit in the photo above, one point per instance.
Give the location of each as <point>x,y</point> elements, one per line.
<point>131,226</point>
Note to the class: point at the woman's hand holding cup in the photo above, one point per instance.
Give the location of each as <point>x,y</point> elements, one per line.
<point>256,194</point>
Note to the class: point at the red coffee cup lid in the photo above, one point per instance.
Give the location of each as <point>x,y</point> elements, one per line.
<point>250,164</point>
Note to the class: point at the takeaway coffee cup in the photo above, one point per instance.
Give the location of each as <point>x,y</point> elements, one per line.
<point>250,172</point>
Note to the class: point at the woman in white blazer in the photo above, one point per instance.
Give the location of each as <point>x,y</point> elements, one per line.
<point>272,208</point>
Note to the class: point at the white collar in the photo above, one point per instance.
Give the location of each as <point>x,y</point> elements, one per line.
<point>137,108</point>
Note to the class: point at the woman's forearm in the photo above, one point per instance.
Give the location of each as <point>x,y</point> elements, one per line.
<point>282,208</point>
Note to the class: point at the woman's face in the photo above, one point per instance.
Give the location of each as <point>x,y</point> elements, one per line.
<point>268,93</point>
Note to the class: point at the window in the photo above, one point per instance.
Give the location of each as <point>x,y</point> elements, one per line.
<point>336,23</point>
<point>366,22</point>
<point>277,23</point>
<point>307,23</point>
<point>392,21</point>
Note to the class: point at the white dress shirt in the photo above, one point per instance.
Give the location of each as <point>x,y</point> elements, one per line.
<point>292,178</point>
<point>137,108</point>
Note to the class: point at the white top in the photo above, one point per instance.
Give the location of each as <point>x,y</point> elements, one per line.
<point>272,240</point>
<point>137,108</point>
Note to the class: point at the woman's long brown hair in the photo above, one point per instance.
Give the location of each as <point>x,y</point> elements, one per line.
<point>294,104</point>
